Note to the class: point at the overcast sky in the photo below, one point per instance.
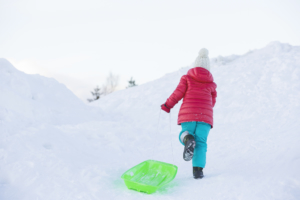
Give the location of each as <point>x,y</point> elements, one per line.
<point>80,42</point>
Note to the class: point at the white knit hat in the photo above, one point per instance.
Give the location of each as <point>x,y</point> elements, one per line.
<point>202,60</point>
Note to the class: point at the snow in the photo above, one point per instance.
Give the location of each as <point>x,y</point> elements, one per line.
<point>53,146</point>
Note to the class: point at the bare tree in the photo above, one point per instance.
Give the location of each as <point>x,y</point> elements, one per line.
<point>111,84</point>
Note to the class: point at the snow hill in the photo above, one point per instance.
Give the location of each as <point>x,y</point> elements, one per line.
<point>34,98</point>
<point>53,146</point>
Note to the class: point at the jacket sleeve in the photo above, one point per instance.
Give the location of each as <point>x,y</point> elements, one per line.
<point>178,94</point>
<point>214,96</point>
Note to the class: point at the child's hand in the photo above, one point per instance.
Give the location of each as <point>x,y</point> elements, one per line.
<point>165,108</point>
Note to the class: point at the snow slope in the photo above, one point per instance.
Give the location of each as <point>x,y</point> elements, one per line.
<point>52,146</point>
<point>34,98</point>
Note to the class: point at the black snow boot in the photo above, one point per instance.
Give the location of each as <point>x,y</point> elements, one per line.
<point>198,172</point>
<point>189,146</point>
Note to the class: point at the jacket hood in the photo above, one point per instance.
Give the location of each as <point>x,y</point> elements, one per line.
<point>200,75</point>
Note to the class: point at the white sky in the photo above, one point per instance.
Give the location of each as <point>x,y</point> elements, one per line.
<point>80,42</point>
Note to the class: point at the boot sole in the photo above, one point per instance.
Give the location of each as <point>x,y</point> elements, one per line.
<point>188,152</point>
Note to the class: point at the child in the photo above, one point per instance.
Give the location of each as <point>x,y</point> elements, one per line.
<point>196,112</point>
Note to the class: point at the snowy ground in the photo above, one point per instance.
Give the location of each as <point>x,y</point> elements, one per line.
<point>53,146</point>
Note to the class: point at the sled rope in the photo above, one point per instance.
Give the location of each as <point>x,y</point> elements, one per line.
<point>170,132</point>
<point>171,137</point>
<point>158,122</point>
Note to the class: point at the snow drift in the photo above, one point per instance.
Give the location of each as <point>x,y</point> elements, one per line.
<point>34,98</point>
<point>67,150</point>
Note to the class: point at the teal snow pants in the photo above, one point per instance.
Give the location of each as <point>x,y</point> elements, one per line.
<point>200,132</point>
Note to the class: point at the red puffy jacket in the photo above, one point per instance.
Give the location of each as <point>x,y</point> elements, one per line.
<point>199,96</point>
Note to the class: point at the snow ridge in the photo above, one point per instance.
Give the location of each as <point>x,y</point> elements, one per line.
<point>36,98</point>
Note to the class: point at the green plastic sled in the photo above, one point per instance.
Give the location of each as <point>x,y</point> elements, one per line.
<point>149,175</point>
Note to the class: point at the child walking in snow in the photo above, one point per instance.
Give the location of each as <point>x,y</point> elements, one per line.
<point>198,91</point>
